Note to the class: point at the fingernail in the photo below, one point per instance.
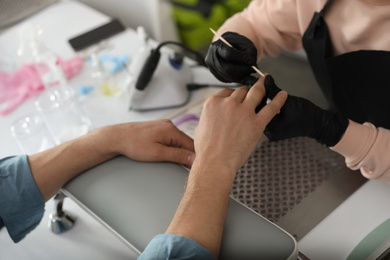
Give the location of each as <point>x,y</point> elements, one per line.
<point>191,158</point>
<point>283,93</point>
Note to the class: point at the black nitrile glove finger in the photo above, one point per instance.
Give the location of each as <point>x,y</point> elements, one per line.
<point>270,87</point>
<point>300,117</point>
<point>249,80</point>
<point>232,64</point>
<point>243,51</point>
<point>261,105</point>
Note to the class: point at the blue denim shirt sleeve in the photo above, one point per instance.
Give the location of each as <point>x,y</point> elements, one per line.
<point>170,246</point>
<point>21,204</point>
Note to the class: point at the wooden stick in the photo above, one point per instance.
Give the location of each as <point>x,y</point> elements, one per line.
<point>221,38</point>
<point>231,46</point>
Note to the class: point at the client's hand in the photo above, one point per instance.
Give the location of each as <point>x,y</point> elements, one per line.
<point>229,127</point>
<point>157,140</point>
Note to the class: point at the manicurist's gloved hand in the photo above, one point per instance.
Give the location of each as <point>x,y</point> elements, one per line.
<point>232,64</point>
<point>300,117</point>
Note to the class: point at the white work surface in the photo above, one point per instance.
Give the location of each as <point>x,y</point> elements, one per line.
<point>89,239</point>
<point>334,238</point>
<point>61,22</point>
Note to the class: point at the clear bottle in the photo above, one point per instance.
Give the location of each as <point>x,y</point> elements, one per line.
<point>46,62</point>
<point>32,49</point>
<point>103,79</point>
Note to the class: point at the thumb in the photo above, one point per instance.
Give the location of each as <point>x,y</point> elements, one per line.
<point>178,155</point>
<point>270,87</point>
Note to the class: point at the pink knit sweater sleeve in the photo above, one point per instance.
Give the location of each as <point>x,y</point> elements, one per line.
<point>366,147</point>
<point>272,26</point>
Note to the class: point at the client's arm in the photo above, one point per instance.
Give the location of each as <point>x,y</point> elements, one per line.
<point>145,141</point>
<point>227,134</point>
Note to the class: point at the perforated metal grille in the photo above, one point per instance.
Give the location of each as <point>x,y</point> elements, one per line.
<point>279,175</point>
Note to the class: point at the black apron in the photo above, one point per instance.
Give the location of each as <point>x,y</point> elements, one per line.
<point>357,84</point>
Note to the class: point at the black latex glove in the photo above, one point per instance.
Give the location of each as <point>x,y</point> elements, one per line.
<point>232,64</point>
<point>300,117</point>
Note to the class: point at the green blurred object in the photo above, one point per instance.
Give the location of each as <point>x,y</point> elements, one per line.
<point>195,17</point>
<point>376,245</point>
